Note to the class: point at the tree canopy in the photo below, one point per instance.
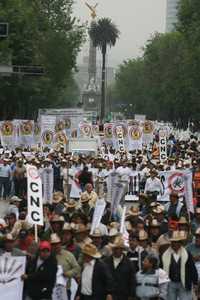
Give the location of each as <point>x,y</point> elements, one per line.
<point>164,82</point>
<point>41,33</point>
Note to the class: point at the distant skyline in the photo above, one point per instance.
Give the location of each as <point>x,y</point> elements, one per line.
<point>137,21</point>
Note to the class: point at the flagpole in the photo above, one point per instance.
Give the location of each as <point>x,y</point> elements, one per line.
<point>36,233</point>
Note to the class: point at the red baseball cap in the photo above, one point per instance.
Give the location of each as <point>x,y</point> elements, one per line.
<point>45,245</point>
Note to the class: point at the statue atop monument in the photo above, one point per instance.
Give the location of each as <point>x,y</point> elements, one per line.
<point>91,93</point>
<point>92,9</point>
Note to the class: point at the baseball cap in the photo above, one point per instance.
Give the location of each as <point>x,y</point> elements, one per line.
<point>45,245</point>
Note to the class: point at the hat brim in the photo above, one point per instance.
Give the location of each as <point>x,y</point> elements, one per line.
<point>97,255</point>
<point>176,240</point>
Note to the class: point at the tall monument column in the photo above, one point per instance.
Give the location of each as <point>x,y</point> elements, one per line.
<point>91,94</point>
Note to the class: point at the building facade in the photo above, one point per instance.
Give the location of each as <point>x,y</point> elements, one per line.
<point>171,14</point>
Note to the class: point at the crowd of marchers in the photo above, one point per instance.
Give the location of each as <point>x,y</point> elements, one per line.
<point>157,254</point>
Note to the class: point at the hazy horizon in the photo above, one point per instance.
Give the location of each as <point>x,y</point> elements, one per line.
<point>137,21</point>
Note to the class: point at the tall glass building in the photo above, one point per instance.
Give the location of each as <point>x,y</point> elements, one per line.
<point>171,14</point>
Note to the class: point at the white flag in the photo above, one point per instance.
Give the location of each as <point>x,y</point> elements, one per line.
<point>11,285</point>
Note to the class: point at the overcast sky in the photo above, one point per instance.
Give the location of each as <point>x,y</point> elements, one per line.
<point>137,20</point>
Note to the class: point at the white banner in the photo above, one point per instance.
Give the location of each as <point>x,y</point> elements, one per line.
<point>118,193</point>
<point>98,213</point>
<point>26,132</point>
<point>188,191</point>
<point>35,209</point>
<point>163,145</point>
<point>47,181</point>
<point>135,137</point>
<point>148,130</point>
<point>178,181</point>
<point>8,134</point>
<point>48,124</point>
<point>11,285</point>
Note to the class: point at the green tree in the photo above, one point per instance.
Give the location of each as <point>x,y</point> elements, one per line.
<point>103,33</point>
<point>41,33</point>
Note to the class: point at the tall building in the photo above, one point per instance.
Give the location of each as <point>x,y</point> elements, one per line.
<point>171,14</point>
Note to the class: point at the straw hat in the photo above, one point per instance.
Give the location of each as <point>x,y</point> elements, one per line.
<point>143,236</point>
<point>67,227</point>
<point>183,221</point>
<point>3,223</point>
<point>9,237</point>
<point>15,199</point>
<point>57,218</point>
<point>84,198</point>
<point>54,239</point>
<point>158,210</point>
<point>114,225</point>
<point>134,211</point>
<point>153,172</point>
<point>71,203</point>
<point>119,243</point>
<point>177,236</point>
<point>96,233</point>
<point>154,223</point>
<point>91,250</point>
<point>57,197</point>
<point>113,232</point>
<point>81,228</point>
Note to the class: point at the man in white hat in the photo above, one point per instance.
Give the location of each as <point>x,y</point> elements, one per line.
<point>96,280</point>
<point>9,246</point>
<point>180,267</point>
<point>14,206</point>
<point>122,271</point>
<point>64,258</point>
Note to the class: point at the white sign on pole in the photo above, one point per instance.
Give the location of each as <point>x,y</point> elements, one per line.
<point>35,209</point>
<point>120,138</point>
<point>11,285</point>
<point>98,213</point>
<point>163,145</point>
<point>47,180</point>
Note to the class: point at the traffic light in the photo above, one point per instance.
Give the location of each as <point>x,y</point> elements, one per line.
<point>3,30</point>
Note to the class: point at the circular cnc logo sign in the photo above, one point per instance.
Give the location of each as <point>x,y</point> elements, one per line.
<point>135,133</point>
<point>108,130</point>
<point>26,127</point>
<point>33,173</point>
<point>47,137</point>
<point>7,128</point>
<point>176,182</point>
<point>86,129</point>
<point>148,127</point>
<point>61,138</point>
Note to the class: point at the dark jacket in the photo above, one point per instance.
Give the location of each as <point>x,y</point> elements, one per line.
<point>124,278</point>
<point>102,283</point>
<point>190,271</point>
<point>41,281</point>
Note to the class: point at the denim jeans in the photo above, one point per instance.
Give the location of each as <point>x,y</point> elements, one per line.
<point>4,186</point>
<point>177,291</point>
